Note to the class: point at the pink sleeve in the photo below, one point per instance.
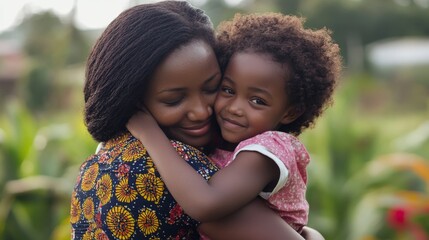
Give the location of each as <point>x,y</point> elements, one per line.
<point>275,146</point>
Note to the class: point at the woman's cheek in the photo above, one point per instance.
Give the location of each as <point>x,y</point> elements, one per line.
<point>167,116</point>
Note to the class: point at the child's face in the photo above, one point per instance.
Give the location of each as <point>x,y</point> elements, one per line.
<point>252,97</point>
<point>182,93</point>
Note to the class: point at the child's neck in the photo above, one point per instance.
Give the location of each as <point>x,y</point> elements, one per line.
<point>227,146</point>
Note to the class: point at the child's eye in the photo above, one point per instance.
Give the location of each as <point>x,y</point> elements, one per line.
<point>258,101</point>
<point>227,90</point>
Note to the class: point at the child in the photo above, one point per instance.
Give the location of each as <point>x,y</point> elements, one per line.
<point>278,78</point>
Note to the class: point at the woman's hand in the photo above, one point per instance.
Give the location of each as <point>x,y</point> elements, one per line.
<point>311,234</point>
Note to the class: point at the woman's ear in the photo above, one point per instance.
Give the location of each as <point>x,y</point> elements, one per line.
<point>292,113</point>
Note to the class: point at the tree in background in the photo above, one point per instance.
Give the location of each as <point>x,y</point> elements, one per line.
<point>352,22</point>
<point>53,46</point>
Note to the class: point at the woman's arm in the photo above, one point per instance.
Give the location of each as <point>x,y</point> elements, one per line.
<point>228,190</point>
<point>255,221</point>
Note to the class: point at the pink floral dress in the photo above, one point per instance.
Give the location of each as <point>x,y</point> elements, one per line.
<point>290,155</point>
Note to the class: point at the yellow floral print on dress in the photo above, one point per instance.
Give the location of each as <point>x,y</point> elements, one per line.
<point>117,141</point>
<point>133,151</point>
<point>104,189</point>
<point>150,166</point>
<point>124,192</point>
<point>99,234</point>
<point>87,236</point>
<point>148,221</point>
<point>75,209</point>
<point>150,187</point>
<point>89,177</point>
<point>120,222</point>
<point>88,208</point>
<point>129,199</point>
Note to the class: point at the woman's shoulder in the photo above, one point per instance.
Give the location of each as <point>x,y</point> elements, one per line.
<point>195,158</point>
<point>118,141</point>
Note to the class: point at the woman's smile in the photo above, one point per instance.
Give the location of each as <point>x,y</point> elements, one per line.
<point>197,130</point>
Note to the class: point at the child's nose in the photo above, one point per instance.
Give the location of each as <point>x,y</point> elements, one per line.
<point>235,108</point>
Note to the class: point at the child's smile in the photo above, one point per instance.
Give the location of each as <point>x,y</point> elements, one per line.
<point>230,124</point>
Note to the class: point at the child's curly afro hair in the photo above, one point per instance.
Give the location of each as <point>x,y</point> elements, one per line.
<point>311,55</point>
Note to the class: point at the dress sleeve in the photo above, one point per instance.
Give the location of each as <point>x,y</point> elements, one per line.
<point>282,167</point>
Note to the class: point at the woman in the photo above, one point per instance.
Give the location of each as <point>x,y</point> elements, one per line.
<point>119,194</point>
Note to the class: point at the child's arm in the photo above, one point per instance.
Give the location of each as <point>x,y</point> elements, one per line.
<point>228,190</point>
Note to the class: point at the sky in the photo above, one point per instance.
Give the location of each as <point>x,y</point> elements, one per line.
<point>90,14</point>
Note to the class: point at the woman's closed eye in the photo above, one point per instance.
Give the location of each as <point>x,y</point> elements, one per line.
<point>172,101</point>
<point>211,90</point>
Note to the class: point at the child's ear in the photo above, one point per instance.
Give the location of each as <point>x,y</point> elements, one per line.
<point>292,113</point>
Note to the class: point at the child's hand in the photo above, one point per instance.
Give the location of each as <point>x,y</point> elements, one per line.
<point>140,123</point>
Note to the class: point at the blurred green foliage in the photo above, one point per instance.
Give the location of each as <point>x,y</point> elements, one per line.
<point>344,193</point>
<point>370,150</point>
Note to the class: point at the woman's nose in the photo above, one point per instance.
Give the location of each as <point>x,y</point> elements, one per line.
<point>200,110</point>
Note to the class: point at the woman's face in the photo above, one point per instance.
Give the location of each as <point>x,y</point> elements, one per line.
<point>182,91</point>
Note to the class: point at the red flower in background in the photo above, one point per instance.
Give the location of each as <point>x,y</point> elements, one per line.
<point>398,218</point>
<point>403,218</point>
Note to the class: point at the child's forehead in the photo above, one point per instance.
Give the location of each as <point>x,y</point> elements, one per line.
<point>255,71</point>
<point>256,63</point>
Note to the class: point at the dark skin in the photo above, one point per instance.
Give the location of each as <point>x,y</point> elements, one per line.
<point>234,225</point>
<point>252,221</point>
<point>247,104</point>
<point>183,106</point>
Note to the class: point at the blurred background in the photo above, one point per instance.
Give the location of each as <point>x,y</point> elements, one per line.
<point>369,175</point>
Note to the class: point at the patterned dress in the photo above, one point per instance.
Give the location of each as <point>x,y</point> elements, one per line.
<point>119,194</point>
